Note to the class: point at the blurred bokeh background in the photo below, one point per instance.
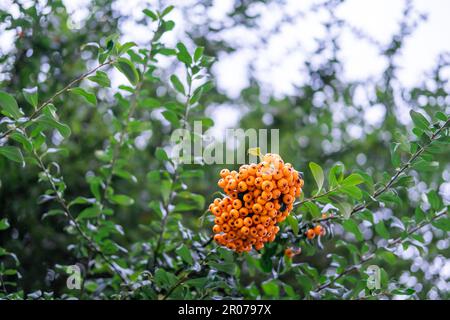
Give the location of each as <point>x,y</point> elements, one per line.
<point>338,78</point>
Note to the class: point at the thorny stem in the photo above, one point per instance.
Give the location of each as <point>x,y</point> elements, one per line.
<point>38,110</point>
<point>372,255</point>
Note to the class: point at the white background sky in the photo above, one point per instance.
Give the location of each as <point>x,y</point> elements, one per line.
<point>279,65</point>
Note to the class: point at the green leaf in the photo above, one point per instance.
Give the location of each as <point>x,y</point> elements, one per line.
<point>8,106</point>
<point>293,223</point>
<point>313,209</point>
<point>335,175</point>
<point>227,267</point>
<point>345,209</point>
<point>156,207</point>
<point>172,118</point>
<point>52,213</point>
<point>419,120</point>
<point>419,214</point>
<point>12,153</point>
<point>127,68</point>
<point>183,54</point>
<point>352,191</point>
<point>91,212</point>
<point>122,200</point>
<point>351,226</point>
<point>165,279</point>
<point>31,95</point>
<point>198,53</point>
<point>185,254</point>
<point>177,84</point>
<point>317,173</point>
<point>150,103</point>
<point>388,256</point>
<point>353,180</point>
<point>150,14</point>
<point>271,288</point>
<point>161,154</point>
<point>126,46</point>
<point>52,123</point>
<point>4,224</point>
<point>435,200</point>
<point>381,230</point>
<point>101,78</point>
<point>17,136</point>
<point>441,116</point>
<point>88,96</point>
<point>443,224</point>
<point>166,11</point>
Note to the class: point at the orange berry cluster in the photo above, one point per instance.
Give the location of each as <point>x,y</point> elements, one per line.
<point>257,198</point>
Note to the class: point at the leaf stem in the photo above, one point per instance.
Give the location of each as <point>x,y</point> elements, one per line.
<point>37,112</point>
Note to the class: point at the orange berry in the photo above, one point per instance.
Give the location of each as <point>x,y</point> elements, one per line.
<point>217,228</point>
<point>282,183</point>
<point>248,221</point>
<point>276,193</point>
<point>257,208</point>
<point>222,183</point>
<point>247,197</point>
<point>224,173</point>
<point>216,211</point>
<point>245,230</point>
<point>239,223</point>
<point>234,213</point>
<point>256,219</point>
<point>237,204</point>
<point>310,234</point>
<point>319,230</point>
<point>243,212</point>
<point>242,186</point>
<point>218,238</point>
<point>288,199</point>
<point>232,184</point>
<point>226,216</point>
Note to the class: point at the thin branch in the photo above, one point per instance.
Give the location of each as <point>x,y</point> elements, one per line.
<point>72,219</point>
<point>175,179</point>
<point>394,178</point>
<point>38,110</point>
<point>183,279</point>
<point>372,255</point>
<point>316,197</point>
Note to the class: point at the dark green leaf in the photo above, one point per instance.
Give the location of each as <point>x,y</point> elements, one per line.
<point>101,78</point>
<point>12,153</point>
<point>177,84</point>
<point>31,95</point>
<point>88,96</point>
<point>127,68</point>
<point>419,120</point>
<point>8,106</point>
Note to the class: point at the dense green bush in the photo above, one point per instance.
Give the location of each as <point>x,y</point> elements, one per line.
<point>86,181</point>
